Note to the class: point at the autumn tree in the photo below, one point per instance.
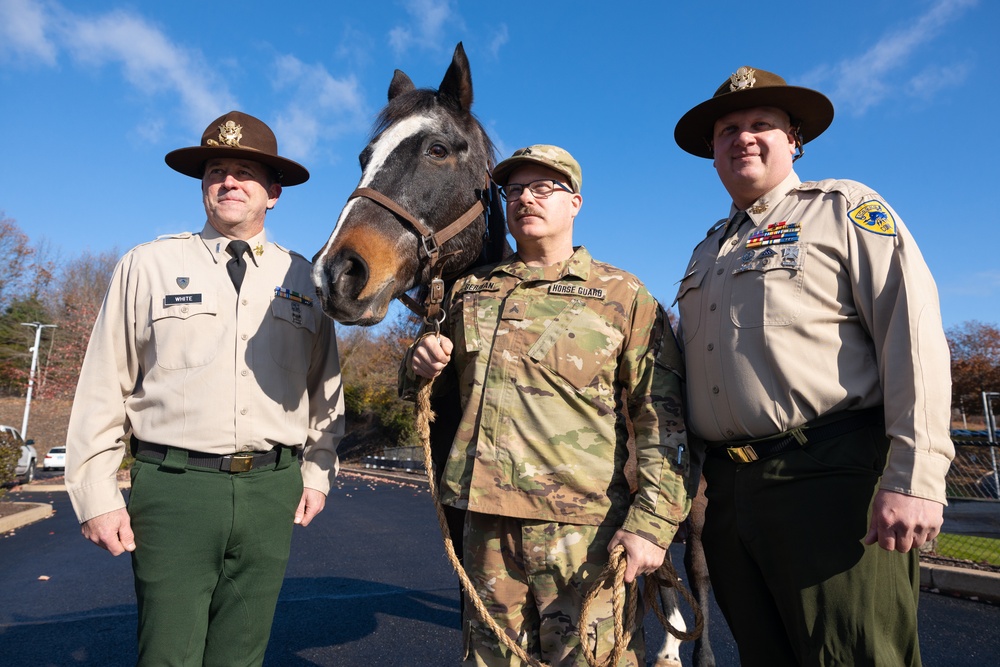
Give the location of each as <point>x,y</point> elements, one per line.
<point>975,363</point>
<point>82,283</point>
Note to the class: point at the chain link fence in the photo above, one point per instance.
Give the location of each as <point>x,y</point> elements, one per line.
<point>971,533</point>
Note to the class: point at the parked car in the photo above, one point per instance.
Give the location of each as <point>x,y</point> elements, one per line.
<point>26,464</point>
<point>55,458</point>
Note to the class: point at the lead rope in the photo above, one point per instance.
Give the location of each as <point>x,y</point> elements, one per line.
<point>614,571</point>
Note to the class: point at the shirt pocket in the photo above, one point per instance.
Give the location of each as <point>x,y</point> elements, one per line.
<point>689,301</point>
<point>767,290</point>
<point>293,330</point>
<point>186,335</point>
<point>577,344</point>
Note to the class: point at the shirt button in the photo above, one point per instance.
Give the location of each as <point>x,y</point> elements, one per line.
<point>734,241</point>
<point>243,301</point>
<point>715,390</point>
<point>730,432</point>
<point>712,307</point>
<point>184,309</point>
<point>244,337</point>
<point>244,372</point>
<point>711,346</point>
<point>243,411</point>
<point>720,271</point>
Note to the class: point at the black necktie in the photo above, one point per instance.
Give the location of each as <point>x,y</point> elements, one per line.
<point>237,267</point>
<point>733,227</point>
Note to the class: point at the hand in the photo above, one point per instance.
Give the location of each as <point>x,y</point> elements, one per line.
<point>901,522</point>
<point>312,503</point>
<point>111,531</point>
<point>431,354</point>
<point>641,555</point>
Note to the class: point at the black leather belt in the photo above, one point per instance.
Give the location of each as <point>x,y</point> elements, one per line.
<point>824,428</point>
<point>228,463</point>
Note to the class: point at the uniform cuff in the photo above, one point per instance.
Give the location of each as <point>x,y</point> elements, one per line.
<point>654,528</point>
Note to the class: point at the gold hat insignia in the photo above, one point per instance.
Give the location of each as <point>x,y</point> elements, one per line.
<point>230,134</point>
<point>742,78</point>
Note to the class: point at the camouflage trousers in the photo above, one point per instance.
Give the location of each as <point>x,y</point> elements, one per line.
<point>533,577</point>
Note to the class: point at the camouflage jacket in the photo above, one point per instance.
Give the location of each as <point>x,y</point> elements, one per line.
<point>552,363</point>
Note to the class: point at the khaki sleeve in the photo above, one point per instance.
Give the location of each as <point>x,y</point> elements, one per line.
<point>326,411</point>
<point>98,426</point>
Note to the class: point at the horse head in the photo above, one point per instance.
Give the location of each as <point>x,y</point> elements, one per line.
<point>426,166</point>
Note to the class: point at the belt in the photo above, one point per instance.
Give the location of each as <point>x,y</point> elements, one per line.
<point>823,428</point>
<point>225,463</point>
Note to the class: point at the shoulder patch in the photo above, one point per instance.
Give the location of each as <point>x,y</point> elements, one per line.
<point>872,216</point>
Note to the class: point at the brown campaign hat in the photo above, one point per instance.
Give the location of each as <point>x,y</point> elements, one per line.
<point>748,88</point>
<point>235,135</point>
<point>553,157</point>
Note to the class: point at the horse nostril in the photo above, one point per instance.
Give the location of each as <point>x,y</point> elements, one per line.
<point>347,273</point>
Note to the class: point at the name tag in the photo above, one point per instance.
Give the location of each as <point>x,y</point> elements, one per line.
<point>577,290</point>
<point>488,286</point>
<point>174,299</point>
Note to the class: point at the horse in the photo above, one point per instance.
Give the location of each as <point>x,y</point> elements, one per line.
<point>425,168</point>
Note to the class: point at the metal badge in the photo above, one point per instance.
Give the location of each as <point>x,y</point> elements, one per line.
<point>230,134</point>
<point>759,208</point>
<point>183,282</point>
<point>258,250</point>
<point>742,78</point>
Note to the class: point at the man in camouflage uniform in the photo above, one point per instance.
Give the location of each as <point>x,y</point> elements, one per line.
<point>553,352</point>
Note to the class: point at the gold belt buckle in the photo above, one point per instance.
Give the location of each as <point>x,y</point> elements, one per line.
<point>744,454</point>
<point>241,462</point>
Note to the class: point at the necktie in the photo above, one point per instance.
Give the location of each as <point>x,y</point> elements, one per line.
<point>237,266</point>
<point>733,227</point>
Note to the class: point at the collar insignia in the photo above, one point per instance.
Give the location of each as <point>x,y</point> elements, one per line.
<point>759,207</point>
<point>742,78</point>
<point>258,250</point>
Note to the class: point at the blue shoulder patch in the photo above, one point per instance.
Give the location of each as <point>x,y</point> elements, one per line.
<point>873,216</point>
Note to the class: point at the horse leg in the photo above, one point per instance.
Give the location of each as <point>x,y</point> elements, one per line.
<point>697,572</point>
<point>669,654</point>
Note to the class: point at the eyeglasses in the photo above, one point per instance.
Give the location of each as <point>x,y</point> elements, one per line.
<point>540,189</point>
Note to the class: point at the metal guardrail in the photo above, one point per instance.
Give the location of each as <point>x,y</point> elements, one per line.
<point>392,463</point>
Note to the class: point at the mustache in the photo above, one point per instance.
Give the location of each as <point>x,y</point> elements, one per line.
<point>524,210</point>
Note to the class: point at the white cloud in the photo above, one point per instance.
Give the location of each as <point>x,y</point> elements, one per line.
<point>150,61</point>
<point>872,78</point>
<point>499,39</point>
<point>23,28</point>
<point>429,20</point>
<point>322,106</point>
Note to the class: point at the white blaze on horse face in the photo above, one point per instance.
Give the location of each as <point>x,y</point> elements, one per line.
<point>381,150</point>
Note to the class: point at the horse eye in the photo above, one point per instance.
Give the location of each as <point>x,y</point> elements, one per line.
<point>438,152</point>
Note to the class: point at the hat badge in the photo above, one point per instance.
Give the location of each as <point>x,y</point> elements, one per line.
<point>230,134</point>
<point>742,78</point>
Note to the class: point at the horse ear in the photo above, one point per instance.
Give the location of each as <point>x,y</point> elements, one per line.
<point>457,82</point>
<point>400,84</point>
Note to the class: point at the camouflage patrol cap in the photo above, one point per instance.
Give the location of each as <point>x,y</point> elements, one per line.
<point>745,89</point>
<point>237,135</point>
<point>552,157</point>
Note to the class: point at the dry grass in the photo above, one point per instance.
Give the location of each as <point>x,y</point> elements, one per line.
<point>47,421</point>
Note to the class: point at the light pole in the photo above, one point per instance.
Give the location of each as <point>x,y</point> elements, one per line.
<point>31,376</point>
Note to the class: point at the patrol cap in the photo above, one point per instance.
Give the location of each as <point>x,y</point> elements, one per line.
<point>553,157</point>
<point>237,135</point>
<point>748,88</point>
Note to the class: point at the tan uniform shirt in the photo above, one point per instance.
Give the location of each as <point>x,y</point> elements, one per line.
<point>177,358</point>
<point>823,303</point>
<point>543,356</point>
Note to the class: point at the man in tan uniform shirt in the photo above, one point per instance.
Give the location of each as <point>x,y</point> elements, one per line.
<point>818,373</point>
<point>209,360</point>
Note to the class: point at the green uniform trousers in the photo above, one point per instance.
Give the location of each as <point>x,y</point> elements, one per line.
<point>211,551</point>
<point>533,577</point>
<point>783,538</point>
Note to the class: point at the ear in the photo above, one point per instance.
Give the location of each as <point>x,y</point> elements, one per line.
<point>457,82</point>
<point>273,193</point>
<point>400,84</point>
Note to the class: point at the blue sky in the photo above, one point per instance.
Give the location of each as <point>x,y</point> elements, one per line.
<point>93,95</point>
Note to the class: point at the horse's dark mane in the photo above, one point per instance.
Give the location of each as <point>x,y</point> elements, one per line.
<point>423,100</point>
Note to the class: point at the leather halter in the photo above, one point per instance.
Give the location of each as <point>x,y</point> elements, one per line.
<point>430,243</point>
